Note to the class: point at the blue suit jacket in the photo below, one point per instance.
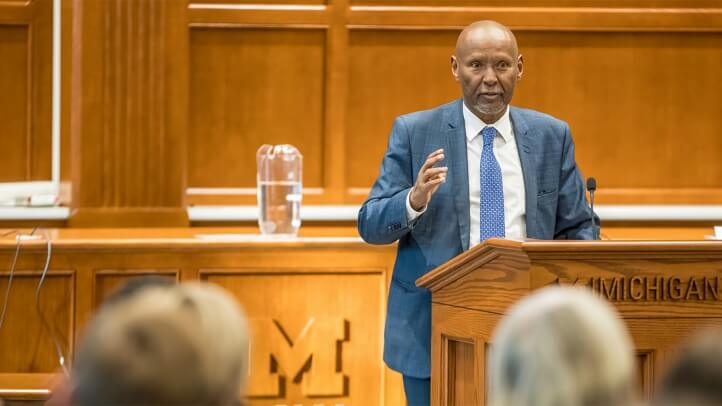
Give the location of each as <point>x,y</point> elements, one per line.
<point>556,208</point>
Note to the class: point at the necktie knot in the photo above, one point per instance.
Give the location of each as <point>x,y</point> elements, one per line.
<point>489,133</point>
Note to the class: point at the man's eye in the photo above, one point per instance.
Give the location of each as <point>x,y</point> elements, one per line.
<point>503,65</point>
<point>475,65</point>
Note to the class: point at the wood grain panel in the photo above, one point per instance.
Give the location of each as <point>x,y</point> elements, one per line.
<point>251,87</point>
<point>25,82</point>
<point>107,281</point>
<point>645,89</point>
<point>608,19</point>
<point>14,81</point>
<point>281,301</point>
<point>129,113</point>
<point>392,73</point>
<point>618,73</point>
<point>41,94</point>
<point>461,374</point>
<point>259,15</point>
<point>290,282</point>
<point>32,347</point>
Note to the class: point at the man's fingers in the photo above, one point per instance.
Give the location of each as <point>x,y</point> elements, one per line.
<point>435,181</point>
<point>432,172</point>
<point>434,184</point>
<point>432,159</point>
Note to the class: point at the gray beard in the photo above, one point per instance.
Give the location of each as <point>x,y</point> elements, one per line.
<point>490,109</point>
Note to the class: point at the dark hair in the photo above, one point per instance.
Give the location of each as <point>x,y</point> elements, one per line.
<point>695,378</point>
<point>137,284</point>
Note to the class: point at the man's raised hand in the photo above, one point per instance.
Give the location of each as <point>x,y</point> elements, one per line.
<point>428,181</point>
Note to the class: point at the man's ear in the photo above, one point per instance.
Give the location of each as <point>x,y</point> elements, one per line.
<point>454,68</point>
<point>519,66</point>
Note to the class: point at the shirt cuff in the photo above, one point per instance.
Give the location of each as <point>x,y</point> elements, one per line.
<point>411,214</point>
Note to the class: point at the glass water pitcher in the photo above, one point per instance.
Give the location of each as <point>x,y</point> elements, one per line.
<point>279,189</point>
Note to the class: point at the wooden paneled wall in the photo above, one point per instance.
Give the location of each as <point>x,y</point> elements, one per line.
<point>317,328</point>
<point>636,80</point>
<point>128,113</point>
<point>166,102</point>
<point>26,88</point>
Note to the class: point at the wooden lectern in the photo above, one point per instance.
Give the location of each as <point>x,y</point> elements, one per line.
<point>663,290</point>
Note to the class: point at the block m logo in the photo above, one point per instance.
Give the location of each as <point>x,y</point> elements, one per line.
<point>312,359</point>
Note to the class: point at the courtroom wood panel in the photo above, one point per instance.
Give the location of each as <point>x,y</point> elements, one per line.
<point>657,342</point>
<point>663,291</point>
<point>392,73</point>
<point>668,291</point>
<point>14,77</point>
<point>251,87</point>
<point>311,346</point>
<point>461,388</point>
<point>23,331</point>
<point>25,82</point>
<point>320,297</point>
<point>601,83</point>
<point>464,351</point>
<point>107,281</point>
<point>128,113</point>
<point>630,127</point>
<point>460,336</point>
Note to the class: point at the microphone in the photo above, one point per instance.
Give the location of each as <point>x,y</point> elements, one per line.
<point>592,187</point>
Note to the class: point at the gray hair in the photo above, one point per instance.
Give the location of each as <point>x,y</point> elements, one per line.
<point>185,344</point>
<point>562,347</point>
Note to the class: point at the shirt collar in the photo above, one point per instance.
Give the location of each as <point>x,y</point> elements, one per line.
<point>474,125</point>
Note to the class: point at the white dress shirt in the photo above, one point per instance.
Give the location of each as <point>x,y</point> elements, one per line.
<point>507,155</point>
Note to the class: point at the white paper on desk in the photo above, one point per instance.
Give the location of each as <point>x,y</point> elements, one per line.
<point>718,232</point>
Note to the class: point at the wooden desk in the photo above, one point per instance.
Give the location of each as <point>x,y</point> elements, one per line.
<point>664,291</point>
<point>327,295</point>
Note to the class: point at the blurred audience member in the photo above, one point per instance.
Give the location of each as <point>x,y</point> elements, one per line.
<point>164,345</point>
<point>562,347</point>
<point>695,377</point>
<point>137,284</point>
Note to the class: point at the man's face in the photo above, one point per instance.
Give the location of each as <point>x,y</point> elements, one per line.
<point>487,66</point>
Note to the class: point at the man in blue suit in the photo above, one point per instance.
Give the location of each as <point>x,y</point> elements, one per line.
<point>463,172</point>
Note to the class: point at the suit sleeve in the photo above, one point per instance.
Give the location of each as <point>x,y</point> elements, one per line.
<point>573,220</point>
<point>382,218</point>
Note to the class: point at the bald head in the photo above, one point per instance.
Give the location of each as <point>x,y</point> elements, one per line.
<point>487,65</point>
<point>487,30</point>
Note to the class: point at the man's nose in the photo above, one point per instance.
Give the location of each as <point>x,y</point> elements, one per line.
<point>489,77</point>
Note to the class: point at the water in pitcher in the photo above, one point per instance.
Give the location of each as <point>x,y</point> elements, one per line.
<point>280,206</point>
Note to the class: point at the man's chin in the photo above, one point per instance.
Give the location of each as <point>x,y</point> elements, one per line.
<point>490,110</point>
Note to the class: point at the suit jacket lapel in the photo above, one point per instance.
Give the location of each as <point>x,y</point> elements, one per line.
<point>458,167</point>
<point>526,142</point>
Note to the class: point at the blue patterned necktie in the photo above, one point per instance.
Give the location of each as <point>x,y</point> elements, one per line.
<point>491,203</point>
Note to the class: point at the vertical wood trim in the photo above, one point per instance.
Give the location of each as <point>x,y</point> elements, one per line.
<point>334,175</point>
<point>31,48</point>
<point>480,368</point>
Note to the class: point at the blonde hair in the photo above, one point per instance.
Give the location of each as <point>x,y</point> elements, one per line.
<point>562,347</point>
<point>185,344</point>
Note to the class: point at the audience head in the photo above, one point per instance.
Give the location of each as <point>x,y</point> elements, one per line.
<point>135,285</point>
<point>695,377</point>
<point>562,347</point>
<point>164,345</point>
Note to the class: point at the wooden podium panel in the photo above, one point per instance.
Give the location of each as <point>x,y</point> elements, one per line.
<point>316,306</point>
<point>664,291</point>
